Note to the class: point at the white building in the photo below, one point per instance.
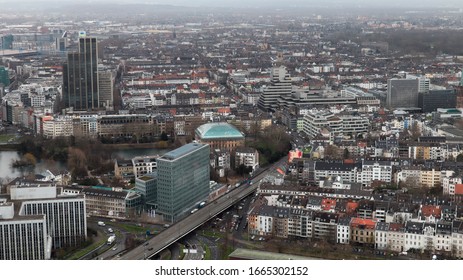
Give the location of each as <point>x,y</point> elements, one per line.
<point>249,157</point>
<point>315,121</point>
<point>381,236</point>
<point>144,165</point>
<point>24,238</point>
<point>343,231</point>
<point>419,236</point>
<point>443,237</point>
<point>396,237</point>
<point>60,127</point>
<point>448,184</point>
<point>64,217</point>
<point>375,171</point>
<point>457,238</point>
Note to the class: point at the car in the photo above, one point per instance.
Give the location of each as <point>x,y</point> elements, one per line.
<point>253,237</point>
<point>150,249</point>
<point>114,248</point>
<point>110,230</point>
<point>261,239</point>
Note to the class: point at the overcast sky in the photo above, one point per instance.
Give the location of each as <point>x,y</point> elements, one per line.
<point>274,3</point>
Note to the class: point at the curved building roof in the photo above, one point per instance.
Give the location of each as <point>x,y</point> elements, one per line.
<point>218,131</point>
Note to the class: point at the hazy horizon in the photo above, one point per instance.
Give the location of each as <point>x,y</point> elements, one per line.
<point>265,3</point>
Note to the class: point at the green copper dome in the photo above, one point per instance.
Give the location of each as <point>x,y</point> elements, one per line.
<point>221,130</point>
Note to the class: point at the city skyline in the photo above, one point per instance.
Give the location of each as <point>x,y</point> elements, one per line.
<point>197,130</point>
<point>264,3</point>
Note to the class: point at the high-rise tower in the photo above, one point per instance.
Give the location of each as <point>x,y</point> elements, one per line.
<point>183,180</point>
<point>402,93</point>
<point>281,86</point>
<point>80,77</point>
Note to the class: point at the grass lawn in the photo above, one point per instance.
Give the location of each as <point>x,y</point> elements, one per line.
<point>207,255</point>
<point>182,254</point>
<point>211,233</point>
<point>77,255</point>
<point>131,228</point>
<point>5,137</point>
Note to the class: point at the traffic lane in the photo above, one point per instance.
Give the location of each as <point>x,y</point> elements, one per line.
<point>201,216</point>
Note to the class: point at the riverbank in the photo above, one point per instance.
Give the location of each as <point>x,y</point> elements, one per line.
<point>9,147</point>
<point>156,145</point>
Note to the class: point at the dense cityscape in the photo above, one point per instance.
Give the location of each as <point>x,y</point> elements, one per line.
<point>148,131</point>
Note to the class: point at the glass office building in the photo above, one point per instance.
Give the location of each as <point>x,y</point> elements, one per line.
<point>183,180</point>
<point>80,77</point>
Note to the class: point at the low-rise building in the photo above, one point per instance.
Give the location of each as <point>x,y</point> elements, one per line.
<point>103,202</point>
<point>247,156</point>
<point>363,231</point>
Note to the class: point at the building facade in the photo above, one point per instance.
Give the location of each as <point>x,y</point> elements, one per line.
<point>402,93</point>
<point>222,136</point>
<point>24,238</point>
<point>183,180</point>
<point>280,86</point>
<point>80,77</point>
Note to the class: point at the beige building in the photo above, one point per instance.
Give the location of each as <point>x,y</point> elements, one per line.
<point>430,178</point>
<point>111,204</point>
<point>123,169</point>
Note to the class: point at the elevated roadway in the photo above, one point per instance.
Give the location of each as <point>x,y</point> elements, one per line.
<point>180,229</point>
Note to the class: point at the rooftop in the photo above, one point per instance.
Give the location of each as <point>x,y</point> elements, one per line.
<point>218,131</point>
<point>182,151</point>
<point>247,254</point>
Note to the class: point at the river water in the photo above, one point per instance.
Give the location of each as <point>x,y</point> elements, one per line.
<point>7,171</point>
<point>7,157</point>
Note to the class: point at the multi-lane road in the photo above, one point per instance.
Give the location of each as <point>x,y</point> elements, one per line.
<point>180,229</point>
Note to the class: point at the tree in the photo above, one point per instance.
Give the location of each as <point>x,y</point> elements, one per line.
<point>164,136</point>
<point>412,182</point>
<point>30,159</point>
<point>346,154</point>
<point>77,162</point>
<point>415,131</point>
<point>459,158</point>
<point>332,152</point>
<point>243,170</point>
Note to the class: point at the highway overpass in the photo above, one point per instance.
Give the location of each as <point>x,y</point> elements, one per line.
<point>180,229</point>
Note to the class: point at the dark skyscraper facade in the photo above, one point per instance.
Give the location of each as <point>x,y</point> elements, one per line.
<point>80,77</point>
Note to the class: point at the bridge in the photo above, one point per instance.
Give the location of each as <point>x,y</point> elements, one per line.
<point>180,229</point>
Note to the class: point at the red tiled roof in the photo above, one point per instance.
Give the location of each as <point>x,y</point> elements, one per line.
<point>351,207</point>
<point>367,223</point>
<point>431,210</point>
<point>328,204</point>
<point>458,188</point>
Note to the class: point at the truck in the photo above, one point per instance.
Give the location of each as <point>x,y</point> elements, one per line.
<point>101,224</point>
<point>111,239</point>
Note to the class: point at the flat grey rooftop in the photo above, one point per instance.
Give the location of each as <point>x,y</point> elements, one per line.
<point>182,151</point>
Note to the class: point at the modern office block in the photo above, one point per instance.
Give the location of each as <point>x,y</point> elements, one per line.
<point>280,86</point>
<point>435,99</point>
<point>402,93</point>
<point>23,238</point>
<point>183,180</point>
<point>80,77</point>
